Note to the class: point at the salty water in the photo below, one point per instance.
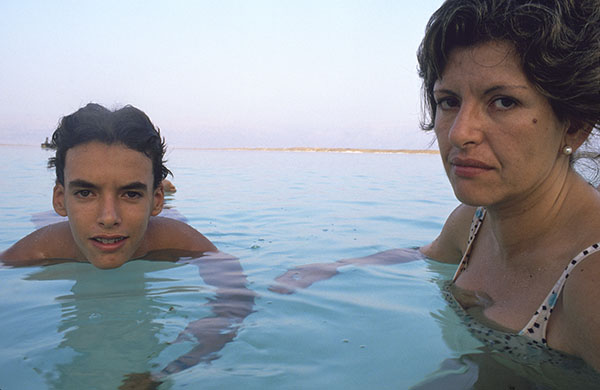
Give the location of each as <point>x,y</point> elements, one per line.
<point>71,326</point>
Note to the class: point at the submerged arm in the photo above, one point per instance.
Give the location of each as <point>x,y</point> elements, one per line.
<point>305,275</point>
<point>447,248</point>
<point>232,303</point>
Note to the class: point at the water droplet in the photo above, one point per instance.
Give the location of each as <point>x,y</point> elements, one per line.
<point>95,316</point>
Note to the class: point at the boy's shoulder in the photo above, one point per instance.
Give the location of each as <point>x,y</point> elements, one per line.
<point>49,244</point>
<point>165,239</point>
<point>166,233</point>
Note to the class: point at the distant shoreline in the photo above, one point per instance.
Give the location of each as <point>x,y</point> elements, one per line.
<point>319,150</point>
<point>292,149</point>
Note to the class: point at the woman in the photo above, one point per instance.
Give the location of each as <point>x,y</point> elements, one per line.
<point>512,89</point>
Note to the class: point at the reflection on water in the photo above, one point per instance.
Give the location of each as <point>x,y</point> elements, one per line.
<point>114,322</point>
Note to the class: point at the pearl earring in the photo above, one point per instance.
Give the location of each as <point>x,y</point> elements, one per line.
<point>567,150</point>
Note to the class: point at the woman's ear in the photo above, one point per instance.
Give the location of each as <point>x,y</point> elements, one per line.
<point>58,200</point>
<point>576,134</point>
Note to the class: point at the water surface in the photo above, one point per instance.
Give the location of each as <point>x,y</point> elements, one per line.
<point>71,326</point>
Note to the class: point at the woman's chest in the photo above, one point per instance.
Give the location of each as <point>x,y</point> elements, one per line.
<point>508,296</point>
<point>508,309</point>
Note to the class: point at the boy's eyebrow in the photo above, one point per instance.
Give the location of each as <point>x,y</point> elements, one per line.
<point>136,185</point>
<point>81,183</point>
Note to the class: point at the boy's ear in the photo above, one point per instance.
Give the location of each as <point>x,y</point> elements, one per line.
<point>158,200</point>
<point>58,200</point>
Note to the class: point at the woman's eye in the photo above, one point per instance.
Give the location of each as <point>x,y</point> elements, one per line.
<point>504,103</point>
<point>448,103</point>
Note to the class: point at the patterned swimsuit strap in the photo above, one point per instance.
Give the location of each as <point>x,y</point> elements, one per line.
<point>536,328</point>
<point>475,225</point>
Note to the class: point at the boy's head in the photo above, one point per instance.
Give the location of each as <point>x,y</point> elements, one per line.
<point>109,169</point>
<point>127,126</point>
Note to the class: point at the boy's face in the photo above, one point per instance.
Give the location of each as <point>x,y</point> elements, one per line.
<point>108,197</point>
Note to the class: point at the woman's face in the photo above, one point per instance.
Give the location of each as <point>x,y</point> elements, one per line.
<point>499,138</point>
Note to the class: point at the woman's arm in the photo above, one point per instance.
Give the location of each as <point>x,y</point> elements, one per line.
<point>450,245</point>
<point>447,248</point>
<point>305,275</point>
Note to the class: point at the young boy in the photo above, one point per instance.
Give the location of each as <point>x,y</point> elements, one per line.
<point>109,173</point>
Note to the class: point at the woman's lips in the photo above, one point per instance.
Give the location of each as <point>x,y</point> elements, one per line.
<point>466,167</point>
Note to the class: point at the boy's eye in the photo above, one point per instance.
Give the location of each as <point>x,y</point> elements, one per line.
<point>83,193</point>
<point>133,194</point>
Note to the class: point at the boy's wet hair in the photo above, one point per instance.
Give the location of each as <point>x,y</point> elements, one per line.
<point>126,126</point>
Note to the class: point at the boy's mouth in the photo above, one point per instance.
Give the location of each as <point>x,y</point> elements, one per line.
<point>108,241</point>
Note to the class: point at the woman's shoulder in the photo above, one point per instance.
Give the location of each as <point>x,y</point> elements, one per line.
<point>450,245</point>
<point>581,308</point>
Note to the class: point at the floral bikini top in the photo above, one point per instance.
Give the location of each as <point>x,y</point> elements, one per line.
<point>536,327</point>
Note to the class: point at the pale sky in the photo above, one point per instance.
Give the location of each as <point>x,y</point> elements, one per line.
<point>219,73</point>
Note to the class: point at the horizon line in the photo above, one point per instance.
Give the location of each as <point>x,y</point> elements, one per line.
<point>288,149</point>
<point>314,149</point>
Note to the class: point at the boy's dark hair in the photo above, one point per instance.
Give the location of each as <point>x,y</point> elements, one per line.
<point>127,126</point>
<point>558,42</point>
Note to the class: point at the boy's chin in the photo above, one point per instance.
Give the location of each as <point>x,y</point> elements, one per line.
<point>107,263</point>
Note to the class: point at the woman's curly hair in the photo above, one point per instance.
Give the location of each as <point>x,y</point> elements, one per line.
<point>557,41</point>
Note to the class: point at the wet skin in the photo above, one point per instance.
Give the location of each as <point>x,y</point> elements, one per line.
<point>109,198</point>
<point>498,136</point>
<point>502,147</point>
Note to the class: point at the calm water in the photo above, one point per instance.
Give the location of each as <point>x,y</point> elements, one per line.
<point>71,326</point>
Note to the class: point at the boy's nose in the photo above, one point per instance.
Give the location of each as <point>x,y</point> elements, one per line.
<point>109,213</point>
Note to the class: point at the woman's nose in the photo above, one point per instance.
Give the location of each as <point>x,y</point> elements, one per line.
<point>467,128</point>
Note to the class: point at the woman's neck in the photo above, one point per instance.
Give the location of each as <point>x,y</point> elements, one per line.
<point>534,219</point>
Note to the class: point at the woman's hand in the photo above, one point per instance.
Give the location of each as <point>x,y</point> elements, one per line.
<point>303,276</point>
